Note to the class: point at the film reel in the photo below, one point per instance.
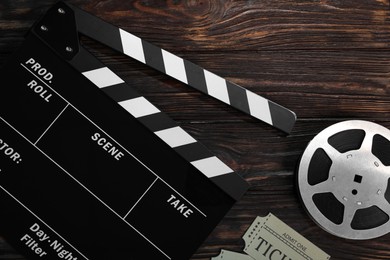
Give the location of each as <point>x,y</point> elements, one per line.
<point>344,177</point>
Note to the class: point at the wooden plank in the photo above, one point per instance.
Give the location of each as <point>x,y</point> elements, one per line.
<point>253,25</point>
<point>327,60</point>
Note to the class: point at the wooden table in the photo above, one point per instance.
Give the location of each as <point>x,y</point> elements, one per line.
<point>326,60</point>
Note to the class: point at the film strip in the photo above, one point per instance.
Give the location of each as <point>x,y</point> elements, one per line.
<point>185,71</point>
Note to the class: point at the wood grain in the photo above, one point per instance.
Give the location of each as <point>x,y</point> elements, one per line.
<point>328,60</point>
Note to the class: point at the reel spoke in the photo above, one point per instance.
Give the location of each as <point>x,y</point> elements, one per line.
<point>349,213</point>
<point>331,151</point>
<point>323,187</point>
<point>367,142</point>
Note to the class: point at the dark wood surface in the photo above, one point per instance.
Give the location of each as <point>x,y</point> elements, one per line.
<point>327,60</point>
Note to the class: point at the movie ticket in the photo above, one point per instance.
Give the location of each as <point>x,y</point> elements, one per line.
<point>269,238</point>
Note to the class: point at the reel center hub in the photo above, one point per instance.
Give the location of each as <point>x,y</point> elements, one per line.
<point>363,176</point>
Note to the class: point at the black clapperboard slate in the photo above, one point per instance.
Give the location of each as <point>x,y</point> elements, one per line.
<point>89,173</point>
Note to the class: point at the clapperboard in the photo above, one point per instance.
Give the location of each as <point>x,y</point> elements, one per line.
<point>89,168</point>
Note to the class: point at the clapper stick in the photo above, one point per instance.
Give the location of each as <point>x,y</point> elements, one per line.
<point>185,71</point>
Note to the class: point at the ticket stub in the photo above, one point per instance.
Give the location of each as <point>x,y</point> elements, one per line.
<point>230,255</point>
<point>269,238</point>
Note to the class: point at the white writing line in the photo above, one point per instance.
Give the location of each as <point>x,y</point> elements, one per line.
<point>51,124</point>
<point>140,198</point>
<point>36,76</point>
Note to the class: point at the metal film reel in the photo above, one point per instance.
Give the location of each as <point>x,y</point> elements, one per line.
<point>344,177</point>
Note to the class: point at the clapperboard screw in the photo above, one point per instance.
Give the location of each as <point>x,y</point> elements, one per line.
<point>69,49</point>
<point>44,28</point>
<point>61,11</point>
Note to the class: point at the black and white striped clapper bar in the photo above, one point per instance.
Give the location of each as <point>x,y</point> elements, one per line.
<point>90,169</point>
<point>182,70</point>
